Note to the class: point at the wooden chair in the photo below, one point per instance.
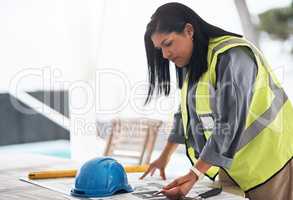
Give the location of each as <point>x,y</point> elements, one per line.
<point>132,140</point>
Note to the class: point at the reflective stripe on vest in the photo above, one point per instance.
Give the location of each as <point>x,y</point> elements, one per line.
<point>266,144</point>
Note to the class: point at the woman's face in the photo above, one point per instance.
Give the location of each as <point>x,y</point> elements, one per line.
<point>176,47</point>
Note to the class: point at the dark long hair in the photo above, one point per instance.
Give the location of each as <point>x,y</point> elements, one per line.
<point>172,17</point>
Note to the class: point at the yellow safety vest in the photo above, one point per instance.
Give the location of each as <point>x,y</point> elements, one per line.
<point>266,145</point>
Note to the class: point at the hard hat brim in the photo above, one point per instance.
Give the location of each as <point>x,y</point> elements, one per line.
<point>88,194</point>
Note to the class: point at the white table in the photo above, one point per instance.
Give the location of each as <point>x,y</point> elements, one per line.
<point>13,166</point>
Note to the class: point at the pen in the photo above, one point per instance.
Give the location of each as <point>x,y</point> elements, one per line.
<point>157,193</point>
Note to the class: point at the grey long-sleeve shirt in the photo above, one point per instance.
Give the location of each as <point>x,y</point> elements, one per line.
<point>236,72</point>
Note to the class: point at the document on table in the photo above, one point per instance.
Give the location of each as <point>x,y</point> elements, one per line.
<point>143,189</point>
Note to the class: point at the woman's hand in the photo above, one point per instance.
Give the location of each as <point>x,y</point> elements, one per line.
<point>180,186</point>
<point>162,161</point>
<point>159,164</point>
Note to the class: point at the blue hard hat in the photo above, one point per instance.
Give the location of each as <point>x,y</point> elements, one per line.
<point>100,177</point>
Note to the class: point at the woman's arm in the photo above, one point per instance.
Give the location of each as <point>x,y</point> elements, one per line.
<point>236,74</point>
<point>176,137</point>
<point>202,166</point>
<point>177,134</point>
<point>168,150</point>
<point>182,185</point>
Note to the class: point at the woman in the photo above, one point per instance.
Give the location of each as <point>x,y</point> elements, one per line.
<point>234,117</point>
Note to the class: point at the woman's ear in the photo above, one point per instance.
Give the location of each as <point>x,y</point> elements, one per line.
<point>189,30</point>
